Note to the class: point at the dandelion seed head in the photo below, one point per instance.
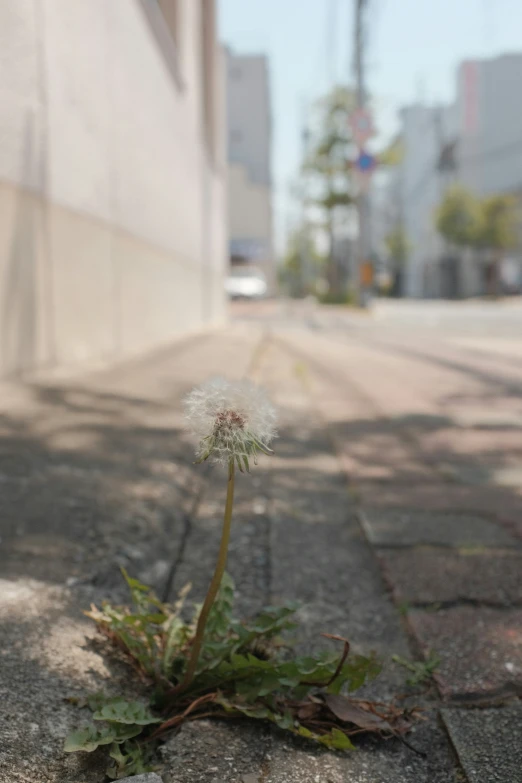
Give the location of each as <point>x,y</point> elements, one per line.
<point>232,420</point>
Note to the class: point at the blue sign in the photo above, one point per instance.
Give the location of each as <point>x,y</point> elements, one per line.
<point>366,162</point>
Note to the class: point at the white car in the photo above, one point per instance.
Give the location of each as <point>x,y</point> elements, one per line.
<point>246,283</point>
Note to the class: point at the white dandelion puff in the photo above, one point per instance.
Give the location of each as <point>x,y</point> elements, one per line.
<point>232,420</point>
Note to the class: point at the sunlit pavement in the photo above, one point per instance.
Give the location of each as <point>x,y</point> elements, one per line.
<point>392,510</point>
<point>424,406</point>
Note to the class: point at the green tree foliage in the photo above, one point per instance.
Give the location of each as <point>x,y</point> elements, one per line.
<point>328,164</point>
<point>458,217</point>
<point>397,245</point>
<point>329,156</point>
<point>302,263</point>
<point>497,232</point>
<point>497,228</point>
<point>490,225</point>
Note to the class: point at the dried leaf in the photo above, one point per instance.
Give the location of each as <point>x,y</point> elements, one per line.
<point>308,711</point>
<point>349,712</point>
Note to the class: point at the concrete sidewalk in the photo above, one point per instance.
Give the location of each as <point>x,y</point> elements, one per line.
<point>98,473</point>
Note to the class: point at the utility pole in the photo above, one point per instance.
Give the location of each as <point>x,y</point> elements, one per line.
<point>363,203</point>
<point>304,236</point>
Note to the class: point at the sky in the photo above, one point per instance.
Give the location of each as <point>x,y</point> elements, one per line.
<point>413,48</point>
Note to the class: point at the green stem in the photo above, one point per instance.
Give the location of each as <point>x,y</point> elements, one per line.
<point>215,583</point>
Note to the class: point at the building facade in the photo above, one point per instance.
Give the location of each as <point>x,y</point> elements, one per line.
<point>490,125</point>
<point>249,158</point>
<point>419,185</point>
<point>112,178</point>
<point>480,138</point>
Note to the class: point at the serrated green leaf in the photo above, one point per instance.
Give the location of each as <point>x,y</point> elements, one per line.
<point>130,760</point>
<point>90,738</point>
<point>304,732</point>
<point>145,619</point>
<point>359,670</point>
<point>135,584</point>
<point>95,701</point>
<point>127,712</point>
<point>336,739</point>
<point>87,739</point>
<point>285,721</point>
<point>272,620</point>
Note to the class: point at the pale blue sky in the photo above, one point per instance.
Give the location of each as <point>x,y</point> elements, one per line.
<point>413,49</point>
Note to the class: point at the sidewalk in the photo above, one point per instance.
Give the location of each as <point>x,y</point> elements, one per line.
<point>354,517</point>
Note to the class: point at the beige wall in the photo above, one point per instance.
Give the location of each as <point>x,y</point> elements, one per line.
<point>112,205</point>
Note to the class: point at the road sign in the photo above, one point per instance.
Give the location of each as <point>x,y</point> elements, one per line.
<point>365,162</point>
<point>361,123</point>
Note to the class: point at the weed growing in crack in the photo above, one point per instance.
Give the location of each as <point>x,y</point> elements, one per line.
<point>214,665</point>
<point>421,671</point>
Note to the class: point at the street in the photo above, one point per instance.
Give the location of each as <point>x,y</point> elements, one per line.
<point>392,510</point>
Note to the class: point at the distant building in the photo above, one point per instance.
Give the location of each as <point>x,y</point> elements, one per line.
<point>490,124</point>
<point>477,142</point>
<point>249,157</point>
<point>416,189</point>
<point>112,178</point>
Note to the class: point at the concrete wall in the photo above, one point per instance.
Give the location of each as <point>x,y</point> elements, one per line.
<point>112,193</point>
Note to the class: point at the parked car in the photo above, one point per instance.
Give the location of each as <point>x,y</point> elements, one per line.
<point>246,283</point>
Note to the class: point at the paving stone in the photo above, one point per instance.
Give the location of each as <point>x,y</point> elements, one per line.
<point>480,649</point>
<point>426,576</point>
<point>214,752</point>
<point>374,761</point>
<point>482,473</point>
<point>488,743</point>
<point>499,504</point>
<point>410,527</point>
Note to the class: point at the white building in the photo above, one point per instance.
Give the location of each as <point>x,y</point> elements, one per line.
<point>485,128</point>
<point>112,177</point>
<point>249,156</point>
<point>420,186</point>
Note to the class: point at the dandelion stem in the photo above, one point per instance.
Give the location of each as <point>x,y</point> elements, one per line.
<point>214,585</point>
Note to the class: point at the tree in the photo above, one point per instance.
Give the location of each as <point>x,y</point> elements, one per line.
<point>489,225</point>
<point>398,247</point>
<point>300,252</point>
<point>328,163</point>
<point>458,217</point>
<point>497,232</point>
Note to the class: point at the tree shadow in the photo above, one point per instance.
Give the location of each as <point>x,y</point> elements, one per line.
<point>89,479</point>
